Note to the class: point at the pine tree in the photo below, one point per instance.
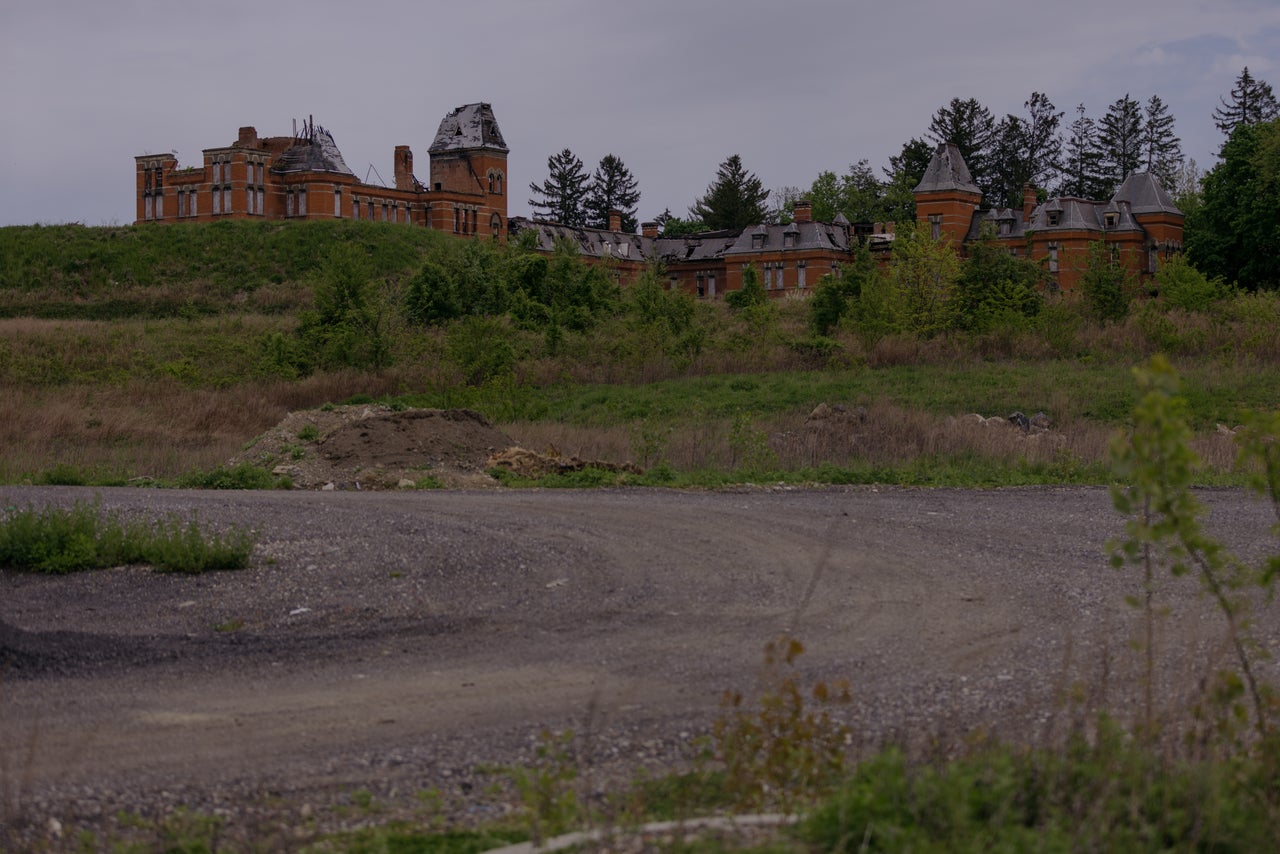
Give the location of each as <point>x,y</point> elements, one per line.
<point>1043,141</point>
<point>734,200</point>
<point>564,192</point>
<point>1162,150</point>
<point>612,188</point>
<point>1082,165</point>
<point>1026,150</point>
<point>1120,141</point>
<point>1251,102</point>
<point>971,128</point>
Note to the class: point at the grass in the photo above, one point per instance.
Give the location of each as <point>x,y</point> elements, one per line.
<point>57,541</point>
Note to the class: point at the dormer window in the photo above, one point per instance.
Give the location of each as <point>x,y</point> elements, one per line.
<point>1110,219</point>
<point>1055,217</point>
<point>757,241</point>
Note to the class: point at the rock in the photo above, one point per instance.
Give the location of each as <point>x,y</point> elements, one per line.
<point>1040,421</point>
<point>1020,420</point>
<point>405,483</point>
<point>821,412</point>
<point>328,487</point>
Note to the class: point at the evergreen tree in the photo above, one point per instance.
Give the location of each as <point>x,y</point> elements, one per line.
<point>562,195</point>
<point>1120,141</point>
<point>612,187</point>
<point>1009,167</point>
<point>857,194</point>
<point>735,199</point>
<point>904,172</point>
<point>1251,102</point>
<point>971,128</point>
<point>1162,150</point>
<point>1082,164</point>
<point>1026,150</point>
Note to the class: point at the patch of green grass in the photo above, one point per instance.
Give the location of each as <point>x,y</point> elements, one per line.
<point>403,837</point>
<point>54,540</point>
<point>242,476</point>
<point>309,433</point>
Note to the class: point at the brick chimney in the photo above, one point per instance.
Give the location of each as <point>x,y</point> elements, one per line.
<point>248,137</point>
<point>615,220</point>
<point>649,229</point>
<point>803,211</point>
<point>1028,201</point>
<point>404,167</point>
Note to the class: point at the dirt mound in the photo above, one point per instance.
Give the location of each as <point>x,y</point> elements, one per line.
<point>526,463</point>
<point>377,447</point>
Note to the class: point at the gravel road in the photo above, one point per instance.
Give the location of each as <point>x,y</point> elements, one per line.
<point>398,642</point>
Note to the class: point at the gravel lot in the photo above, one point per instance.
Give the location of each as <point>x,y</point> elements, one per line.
<point>398,642</point>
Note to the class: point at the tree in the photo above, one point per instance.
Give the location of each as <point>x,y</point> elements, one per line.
<point>857,194</point>
<point>1235,233</point>
<point>971,128</point>
<point>1251,102</point>
<point>996,289</point>
<point>835,293</point>
<point>1120,142</point>
<point>923,273</point>
<point>561,196</point>
<point>674,226</point>
<point>1082,167</point>
<point>612,187</point>
<point>1106,285</point>
<point>735,199</point>
<point>1162,150</point>
<point>1025,150</point>
<point>903,173</point>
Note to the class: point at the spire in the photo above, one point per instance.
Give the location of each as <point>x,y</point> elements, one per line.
<point>947,171</point>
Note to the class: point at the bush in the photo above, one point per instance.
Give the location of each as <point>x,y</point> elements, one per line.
<point>61,541</point>
<point>1183,286</point>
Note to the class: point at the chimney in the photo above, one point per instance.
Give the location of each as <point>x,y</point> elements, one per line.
<point>248,137</point>
<point>803,211</point>
<point>649,229</point>
<point>615,220</point>
<point>1028,201</point>
<point>404,167</point>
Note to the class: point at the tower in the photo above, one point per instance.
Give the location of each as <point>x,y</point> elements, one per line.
<point>946,197</point>
<point>469,159</point>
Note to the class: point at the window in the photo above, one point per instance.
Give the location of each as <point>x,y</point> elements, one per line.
<point>498,182</point>
<point>217,172</point>
<point>1055,217</point>
<point>800,265</point>
<point>711,285</point>
<point>935,226</point>
<point>182,204</point>
<point>262,200</point>
<point>1053,257</point>
<point>260,168</point>
<point>288,203</point>
<point>369,209</point>
<point>159,206</point>
<point>1153,259</point>
<point>217,201</point>
<point>673,283</point>
<point>148,208</point>
<point>355,209</point>
<point>249,199</point>
<point>768,277</point>
<point>495,225</point>
<point>1110,219</point>
<point>457,220</point>
<point>337,202</point>
<point>302,202</point>
<point>702,287</point>
<point>226,200</point>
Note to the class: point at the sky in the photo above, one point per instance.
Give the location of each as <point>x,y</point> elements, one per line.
<point>672,87</point>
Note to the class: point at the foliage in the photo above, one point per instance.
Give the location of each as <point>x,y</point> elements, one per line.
<point>612,187</point>
<point>1252,101</point>
<point>1235,233</point>
<point>242,476</point>
<point>751,293</point>
<point>923,274</point>
<point>481,347</point>
<point>1026,150</point>
<point>1156,466</point>
<point>1120,141</point>
<point>59,541</point>
<point>1183,286</point>
<point>735,199</point>
<point>562,196</point>
<point>857,194</point>
<point>546,788</point>
<point>1082,168</point>
<point>781,752</point>
<point>1162,150</point>
<point>350,326</point>
<point>835,294</point>
<point>995,288</point>
<point>969,126</point>
<point>1106,285</point>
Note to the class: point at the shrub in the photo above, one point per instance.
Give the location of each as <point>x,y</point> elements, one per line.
<point>84,537</point>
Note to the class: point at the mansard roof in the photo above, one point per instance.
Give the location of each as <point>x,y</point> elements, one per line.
<point>314,151</point>
<point>947,171</point>
<point>468,127</point>
<point>1145,195</point>
<point>1082,215</point>
<point>811,235</point>
<point>590,242</point>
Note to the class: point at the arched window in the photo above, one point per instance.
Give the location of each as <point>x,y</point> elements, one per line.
<point>495,225</point>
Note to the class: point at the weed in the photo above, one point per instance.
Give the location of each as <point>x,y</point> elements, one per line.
<point>233,625</point>
<point>309,433</point>
<point>780,753</point>
<point>546,787</point>
<point>242,476</point>
<point>58,541</point>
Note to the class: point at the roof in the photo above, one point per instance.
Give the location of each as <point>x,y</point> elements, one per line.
<point>807,235</point>
<point>314,152</point>
<point>1081,215</point>
<point>947,171</point>
<point>591,242</point>
<point>468,127</point>
<point>1145,195</point>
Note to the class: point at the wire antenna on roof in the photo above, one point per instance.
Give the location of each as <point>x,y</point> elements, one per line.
<point>374,170</point>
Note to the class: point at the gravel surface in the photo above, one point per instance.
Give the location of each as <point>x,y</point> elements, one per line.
<point>396,643</point>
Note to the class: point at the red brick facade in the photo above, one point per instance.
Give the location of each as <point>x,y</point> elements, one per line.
<point>303,177</point>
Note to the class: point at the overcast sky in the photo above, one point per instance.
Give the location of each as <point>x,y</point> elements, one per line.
<point>670,86</point>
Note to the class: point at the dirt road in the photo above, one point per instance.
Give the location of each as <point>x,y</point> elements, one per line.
<point>393,641</point>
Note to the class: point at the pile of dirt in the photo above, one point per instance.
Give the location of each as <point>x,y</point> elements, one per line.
<point>526,463</point>
<point>378,447</point>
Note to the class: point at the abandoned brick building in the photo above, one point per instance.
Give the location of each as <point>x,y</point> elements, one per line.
<point>304,177</point>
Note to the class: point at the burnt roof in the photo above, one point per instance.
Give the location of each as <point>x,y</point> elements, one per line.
<point>315,151</point>
<point>468,127</point>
